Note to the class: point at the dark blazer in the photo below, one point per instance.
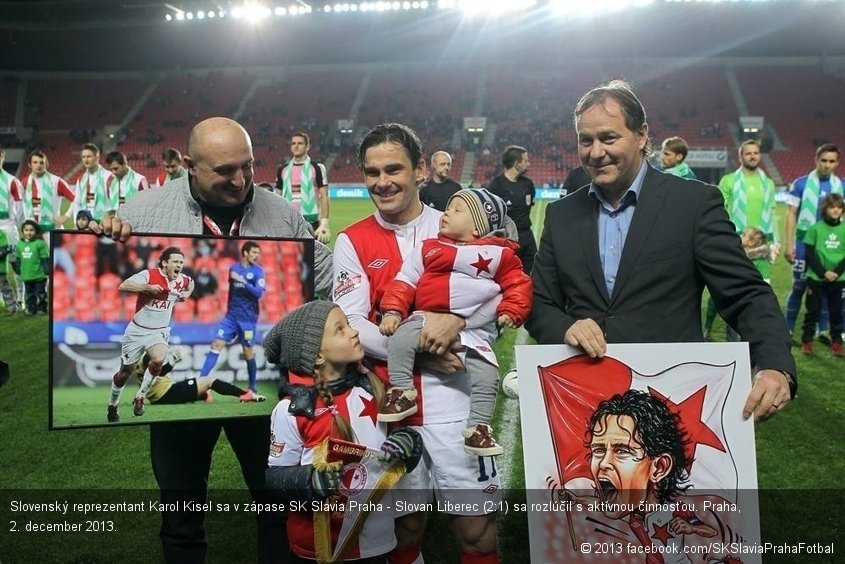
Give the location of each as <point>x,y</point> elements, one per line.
<point>680,240</point>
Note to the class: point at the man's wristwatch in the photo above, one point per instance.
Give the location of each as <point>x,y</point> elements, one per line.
<point>790,379</point>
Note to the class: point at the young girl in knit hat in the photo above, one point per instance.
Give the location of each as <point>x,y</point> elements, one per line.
<point>328,396</point>
<point>469,263</point>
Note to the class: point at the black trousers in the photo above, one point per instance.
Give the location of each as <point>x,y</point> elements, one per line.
<point>36,296</point>
<point>181,458</point>
<point>527,249</point>
<point>816,293</point>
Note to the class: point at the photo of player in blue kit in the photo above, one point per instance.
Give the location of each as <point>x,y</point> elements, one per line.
<point>246,287</point>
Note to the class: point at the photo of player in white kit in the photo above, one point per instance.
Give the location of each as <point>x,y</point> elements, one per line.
<point>158,290</point>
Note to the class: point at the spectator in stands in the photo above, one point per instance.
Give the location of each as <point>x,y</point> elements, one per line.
<point>436,192</point>
<point>673,153</point>
<point>45,194</point>
<point>804,210</point>
<point>517,190</point>
<point>11,217</point>
<point>205,283</point>
<point>305,184</point>
<point>576,178</point>
<point>92,192</point>
<point>216,197</point>
<point>173,168</point>
<point>750,202</point>
<point>604,273</point>
<point>125,182</point>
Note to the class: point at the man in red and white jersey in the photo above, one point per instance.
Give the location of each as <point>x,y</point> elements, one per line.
<point>158,290</point>
<point>43,194</point>
<point>173,168</point>
<point>125,182</point>
<point>92,192</point>
<point>367,256</point>
<point>11,218</point>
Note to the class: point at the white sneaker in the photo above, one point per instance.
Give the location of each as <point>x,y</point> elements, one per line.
<point>174,356</point>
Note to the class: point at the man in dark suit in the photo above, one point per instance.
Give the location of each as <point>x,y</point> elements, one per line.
<point>625,260</point>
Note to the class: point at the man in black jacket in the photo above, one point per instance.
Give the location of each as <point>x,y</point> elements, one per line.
<point>626,259</point>
<point>517,191</point>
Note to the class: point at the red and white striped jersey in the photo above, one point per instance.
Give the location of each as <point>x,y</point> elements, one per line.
<point>41,196</point>
<point>154,311</point>
<point>125,188</point>
<point>449,277</point>
<point>292,442</point>
<point>367,257</point>
<point>163,178</point>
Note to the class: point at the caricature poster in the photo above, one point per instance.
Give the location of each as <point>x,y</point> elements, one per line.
<point>640,457</point>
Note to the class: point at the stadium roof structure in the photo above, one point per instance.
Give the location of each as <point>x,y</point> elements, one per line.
<point>85,34</point>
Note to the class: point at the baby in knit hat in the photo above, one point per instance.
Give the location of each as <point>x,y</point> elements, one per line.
<point>329,395</point>
<point>467,265</point>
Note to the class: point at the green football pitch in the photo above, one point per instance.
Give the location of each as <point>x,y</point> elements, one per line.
<point>799,459</point>
<point>81,406</point>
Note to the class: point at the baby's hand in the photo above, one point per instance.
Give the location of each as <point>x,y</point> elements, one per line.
<point>388,324</point>
<point>506,321</point>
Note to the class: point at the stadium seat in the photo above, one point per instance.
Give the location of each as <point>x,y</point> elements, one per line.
<point>208,310</point>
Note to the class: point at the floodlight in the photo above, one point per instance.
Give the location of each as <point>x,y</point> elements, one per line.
<point>168,17</point>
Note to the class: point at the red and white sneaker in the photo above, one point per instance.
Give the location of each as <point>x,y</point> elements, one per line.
<point>249,396</point>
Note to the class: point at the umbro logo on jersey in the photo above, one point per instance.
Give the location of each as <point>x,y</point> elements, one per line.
<point>378,263</point>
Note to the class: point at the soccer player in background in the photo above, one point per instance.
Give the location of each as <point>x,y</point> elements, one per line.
<point>305,184</point>
<point>11,217</point>
<point>158,290</point>
<point>164,391</point>
<point>246,286</point>
<point>125,182</point>
<point>92,192</point>
<point>173,168</point>
<point>44,194</point>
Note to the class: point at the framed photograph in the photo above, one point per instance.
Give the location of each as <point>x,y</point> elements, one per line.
<point>167,327</point>
<point>641,456</point>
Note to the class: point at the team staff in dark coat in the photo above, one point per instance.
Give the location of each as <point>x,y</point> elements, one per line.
<point>626,259</point>
<point>517,190</point>
<point>437,192</point>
